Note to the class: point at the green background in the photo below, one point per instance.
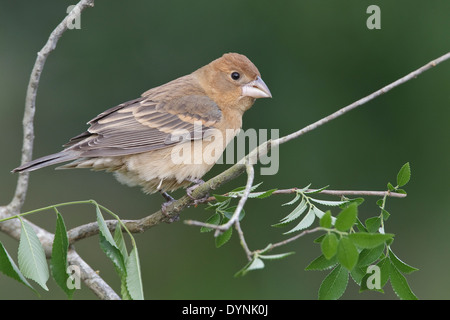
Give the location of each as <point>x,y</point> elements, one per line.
<point>315,56</point>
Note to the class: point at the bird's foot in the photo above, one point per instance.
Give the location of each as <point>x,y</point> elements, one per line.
<point>198,182</point>
<point>169,201</point>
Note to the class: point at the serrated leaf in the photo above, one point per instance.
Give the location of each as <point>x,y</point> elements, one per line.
<point>404,175</point>
<point>255,264</point>
<point>400,285</point>
<point>325,221</point>
<point>330,203</point>
<point>315,191</point>
<point>322,263</point>
<point>357,274</point>
<point>238,192</point>
<point>134,279</point>
<point>10,269</point>
<point>373,224</point>
<point>229,212</point>
<point>399,264</point>
<point>262,194</point>
<point>305,222</point>
<point>297,196</point>
<point>383,264</point>
<point>293,215</point>
<point>369,240</point>
<point>114,254</point>
<point>31,256</point>
<point>329,245</point>
<point>334,284</point>
<point>103,228</point>
<point>120,242</point>
<point>369,256</point>
<point>58,261</point>
<point>214,219</point>
<point>347,253</point>
<point>346,218</point>
<point>223,238</point>
<point>220,198</point>
<point>276,256</point>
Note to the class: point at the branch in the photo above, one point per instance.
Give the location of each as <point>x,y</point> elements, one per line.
<point>30,101</point>
<point>352,193</point>
<point>12,227</point>
<point>233,172</point>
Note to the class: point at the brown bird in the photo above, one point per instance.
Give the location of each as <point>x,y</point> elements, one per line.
<point>147,141</point>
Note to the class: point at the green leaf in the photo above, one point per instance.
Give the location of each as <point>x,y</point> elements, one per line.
<point>228,213</point>
<point>390,187</point>
<point>223,238</point>
<point>346,218</point>
<point>329,245</point>
<point>113,253</point>
<point>328,202</point>
<point>262,194</point>
<point>214,219</point>
<point>347,253</point>
<point>400,285</point>
<point>297,196</point>
<point>399,264</point>
<point>293,215</point>
<point>255,264</point>
<point>305,223</point>
<point>10,269</point>
<point>276,256</point>
<point>325,221</point>
<point>373,224</point>
<point>134,279</point>
<point>368,256</point>
<point>369,240</point>
<point>322,263</point>
<point>315,191</point>
<point>334,284</point>
<point>404,175</point>
<point>238,192</point>
<point>58,261</point>
<point>220,198</point>
<point>358,273</point>
<point>360,226</point>
<point>31,256</point>
<point>103,228</point>
<point>383,264</point>
<point>120,242</point>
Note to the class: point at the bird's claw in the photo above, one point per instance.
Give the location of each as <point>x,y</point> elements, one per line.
<point>198,182</point>
<point>169,201</point>
<point>170,219</point>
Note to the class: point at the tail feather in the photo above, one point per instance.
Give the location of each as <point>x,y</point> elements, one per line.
<point>63,156</point>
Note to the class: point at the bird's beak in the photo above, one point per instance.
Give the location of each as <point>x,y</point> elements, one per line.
<point>256,89</point>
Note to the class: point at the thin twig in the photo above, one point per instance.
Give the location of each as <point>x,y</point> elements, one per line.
<point>301,234</point>
<point>360,102</point>
<point>352,193</point>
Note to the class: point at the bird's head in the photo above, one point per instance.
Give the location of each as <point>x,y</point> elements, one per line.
<point>233,81</point>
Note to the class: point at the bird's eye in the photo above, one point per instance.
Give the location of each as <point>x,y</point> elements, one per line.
<point>235,75</point>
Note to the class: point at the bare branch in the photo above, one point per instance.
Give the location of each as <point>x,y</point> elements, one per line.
<point>12,227</point>
<point>30,102</point>
<point>340,193</point>
<point>361,102</point>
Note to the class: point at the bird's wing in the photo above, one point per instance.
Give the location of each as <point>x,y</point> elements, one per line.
<point>146,124</point>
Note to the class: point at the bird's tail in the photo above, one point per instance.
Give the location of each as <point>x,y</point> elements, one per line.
<point>63,156</point>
